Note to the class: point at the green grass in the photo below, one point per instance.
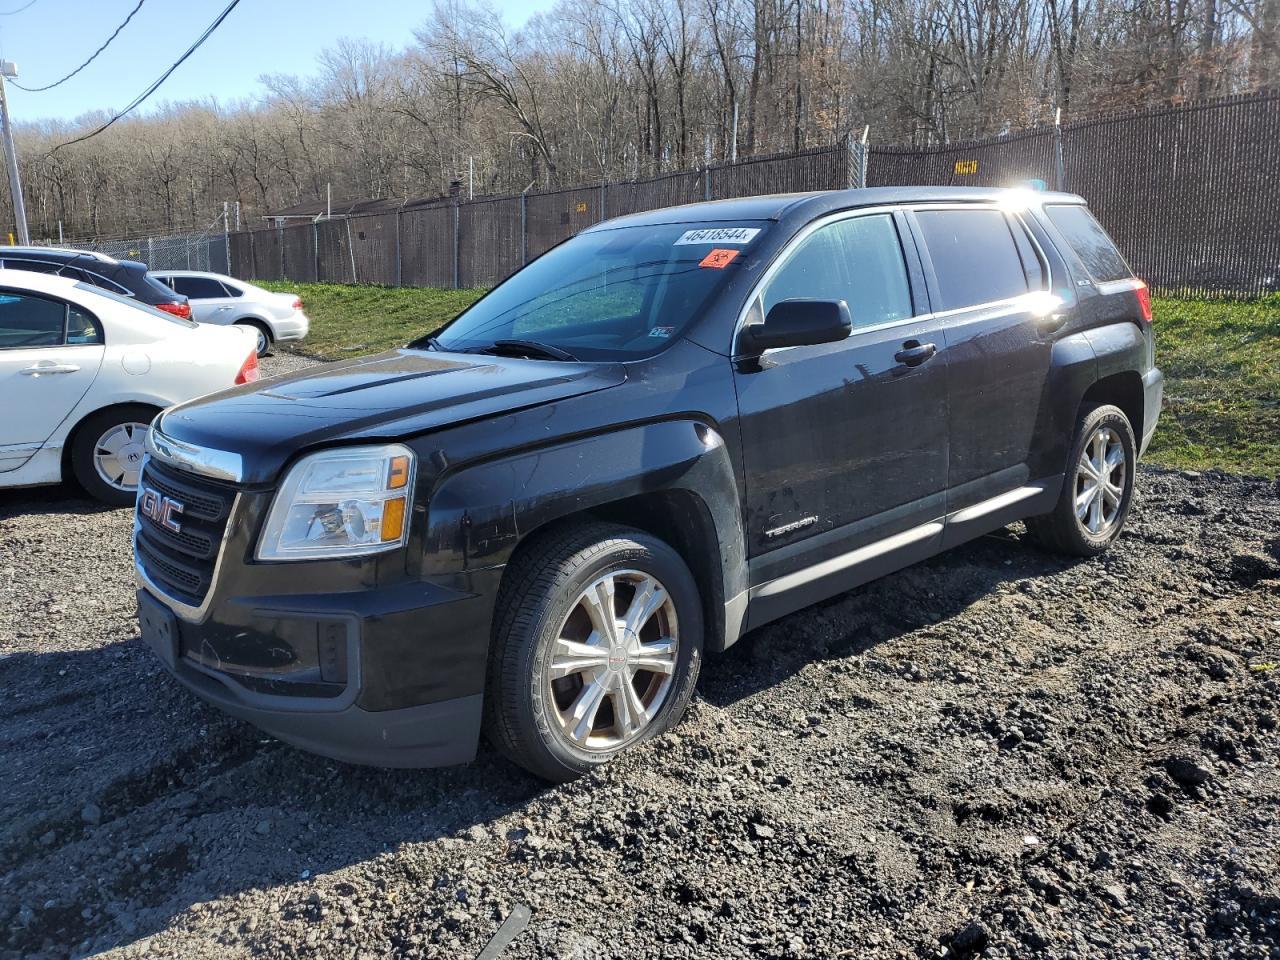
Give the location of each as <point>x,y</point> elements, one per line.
<point>348,321</point>
<point>1221,362</point>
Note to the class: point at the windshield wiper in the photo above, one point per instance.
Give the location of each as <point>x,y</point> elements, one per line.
<point>527,348</point>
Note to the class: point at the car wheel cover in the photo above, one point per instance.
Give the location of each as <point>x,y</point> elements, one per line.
<point>1100,481</point>
<point>263,342</point>
<point>613,661</point>
<point>117,456</point>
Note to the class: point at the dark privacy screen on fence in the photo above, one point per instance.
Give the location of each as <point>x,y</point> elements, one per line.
<point>1189,193</point>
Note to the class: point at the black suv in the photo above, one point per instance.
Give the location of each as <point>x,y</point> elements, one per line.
<point>665,432</point>
<point>128,278</point>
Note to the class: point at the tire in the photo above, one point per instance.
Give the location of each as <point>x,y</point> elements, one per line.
<point>549,592</point>
<point>106,469</point>
<point>265,341</point>
<point>1088,532</point>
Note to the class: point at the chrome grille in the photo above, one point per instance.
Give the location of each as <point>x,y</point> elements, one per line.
<point>182,562</point>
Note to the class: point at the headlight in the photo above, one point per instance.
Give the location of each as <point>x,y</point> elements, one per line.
<point>341,503</point>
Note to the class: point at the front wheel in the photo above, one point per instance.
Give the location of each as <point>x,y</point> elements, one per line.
<point>1098,487</point>
<point>597,645</point>
<point>106,452</point>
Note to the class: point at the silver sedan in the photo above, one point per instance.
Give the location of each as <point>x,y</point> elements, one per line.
<point>223,300</point>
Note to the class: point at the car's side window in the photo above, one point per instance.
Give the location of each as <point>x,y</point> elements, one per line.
<point>231,291</point>
<point>858,260</point>
<point>974,254</point>
<point>36,322</point>
<point>198,288</point>
<point>81,328</point>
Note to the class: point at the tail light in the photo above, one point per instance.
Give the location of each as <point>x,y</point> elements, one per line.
<point>1144,301</point>
<point>297,303</point>
<point>182,310</point>
<point>249,369</point>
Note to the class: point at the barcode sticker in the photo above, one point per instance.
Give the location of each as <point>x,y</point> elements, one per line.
<point>718,235</point>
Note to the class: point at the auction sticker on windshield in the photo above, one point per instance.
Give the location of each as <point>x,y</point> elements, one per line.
<point>718,235</point>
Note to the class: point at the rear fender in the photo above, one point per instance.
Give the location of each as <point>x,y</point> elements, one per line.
<point>479,515</point>
<point>1073,368</point>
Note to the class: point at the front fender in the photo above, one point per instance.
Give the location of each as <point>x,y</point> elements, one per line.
<point>478,515</point>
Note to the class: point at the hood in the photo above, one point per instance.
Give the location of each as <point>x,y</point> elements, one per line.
<point>387,396</point>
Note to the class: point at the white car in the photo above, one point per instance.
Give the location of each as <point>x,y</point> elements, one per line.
<point>82,373</point>
<point>215,298</point>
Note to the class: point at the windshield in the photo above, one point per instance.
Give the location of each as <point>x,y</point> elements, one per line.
<point>615,294</point>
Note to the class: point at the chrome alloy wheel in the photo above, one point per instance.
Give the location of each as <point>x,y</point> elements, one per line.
<point>263,342</point>
<point>1100,480</point>
<point>117,456</point>
<point>613,660</point>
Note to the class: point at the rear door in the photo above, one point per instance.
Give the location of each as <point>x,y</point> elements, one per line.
<point>844,444</point>
<point>209,301</point>
<point>50,353</point>
<point>982,265</point>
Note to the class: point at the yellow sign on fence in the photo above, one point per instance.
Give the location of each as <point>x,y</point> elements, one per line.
<point>582,206</point>
<point>966,168</point>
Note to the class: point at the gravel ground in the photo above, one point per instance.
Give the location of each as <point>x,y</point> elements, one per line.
<point>996,753</point>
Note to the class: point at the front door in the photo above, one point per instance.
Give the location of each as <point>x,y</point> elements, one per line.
<point>50,353</point>
<point>845,444</point>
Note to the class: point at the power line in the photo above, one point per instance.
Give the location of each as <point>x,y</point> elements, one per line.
<point>140,98</point>
<point>10,13</point>
<point>91,58</point>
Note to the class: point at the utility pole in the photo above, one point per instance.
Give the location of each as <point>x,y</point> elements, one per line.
<point>10,69</point>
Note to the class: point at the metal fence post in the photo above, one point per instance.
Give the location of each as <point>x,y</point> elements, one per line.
<point>351,250</point>
<point>1059,164</point>
<point>457,243</point>
<point>706,182</point>
<point>284,267</point>
<point>603,213</point>
<point>315,249</point>
<point>253,259</point>
<point>524,230</point>
<point>399,263</point>
<point>226,235</point>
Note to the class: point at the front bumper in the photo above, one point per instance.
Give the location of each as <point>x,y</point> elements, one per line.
<point>310,671</point>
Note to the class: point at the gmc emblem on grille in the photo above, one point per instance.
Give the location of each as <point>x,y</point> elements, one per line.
<point>163,510</point>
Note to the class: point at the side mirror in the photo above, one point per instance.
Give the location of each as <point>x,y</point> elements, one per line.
<point>796,323</point>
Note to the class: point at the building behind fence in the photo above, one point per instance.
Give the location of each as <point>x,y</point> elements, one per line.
<point>1190,194</point>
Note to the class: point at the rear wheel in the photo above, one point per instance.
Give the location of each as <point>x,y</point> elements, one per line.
<point>597,645</point>
<point>106,452</point>
<point>263,334</point>
<point>1098,488</point>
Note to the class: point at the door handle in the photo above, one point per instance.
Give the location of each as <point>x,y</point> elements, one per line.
<point>42,368</point>
<point>220,309</point>
<point>914,353</point>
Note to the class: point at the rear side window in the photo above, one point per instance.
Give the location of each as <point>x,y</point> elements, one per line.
<point>1090,242</point>
<point>232,291</point>
<point>27,321</point>
<point>858,260</point>
<point>34,266</point>
<point>974,256</point>
<point>198,288</point>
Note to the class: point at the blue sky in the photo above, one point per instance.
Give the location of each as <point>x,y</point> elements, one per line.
<point>260,36</point>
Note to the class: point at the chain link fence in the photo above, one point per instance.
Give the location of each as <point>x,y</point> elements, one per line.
<point>207,250</point>
<point>1188,192</point>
